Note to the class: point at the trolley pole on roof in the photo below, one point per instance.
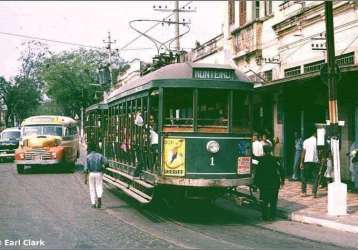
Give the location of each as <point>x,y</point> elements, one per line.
<point>337,191</point>
<point>109,43</point>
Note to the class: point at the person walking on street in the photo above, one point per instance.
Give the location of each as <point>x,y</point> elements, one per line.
<point>269,177</point>
<point>93,169</point>
<point>297,159</point>
<point>310,163</point>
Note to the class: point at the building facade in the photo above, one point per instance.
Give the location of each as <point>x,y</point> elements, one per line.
<point>280,45</point>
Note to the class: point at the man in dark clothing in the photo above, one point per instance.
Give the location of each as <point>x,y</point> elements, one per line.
<point>93,168</point>
<point>269,176</point>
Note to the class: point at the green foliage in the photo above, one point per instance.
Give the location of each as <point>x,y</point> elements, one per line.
<point>21,97</point>
<point>71,78</point>
<point>49,107</point>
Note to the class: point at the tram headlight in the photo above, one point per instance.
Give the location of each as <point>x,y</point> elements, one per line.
<point>213,147</point>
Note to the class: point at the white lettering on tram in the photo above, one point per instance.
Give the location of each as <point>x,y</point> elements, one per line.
<point>208,74</point>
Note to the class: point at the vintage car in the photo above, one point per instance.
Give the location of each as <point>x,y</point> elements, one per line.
<point>9,142</point>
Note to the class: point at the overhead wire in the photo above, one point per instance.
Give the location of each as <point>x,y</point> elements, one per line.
<point>64,42</point>
<point>149,29</point>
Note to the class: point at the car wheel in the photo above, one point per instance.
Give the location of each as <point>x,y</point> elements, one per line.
<point>20,169</point>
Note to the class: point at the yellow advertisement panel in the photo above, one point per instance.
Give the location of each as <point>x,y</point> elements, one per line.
<point>174,157</point>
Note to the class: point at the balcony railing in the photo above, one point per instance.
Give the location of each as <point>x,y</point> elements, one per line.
<point>313,67</point>
<point>345,59</point>
<point>207,48</point>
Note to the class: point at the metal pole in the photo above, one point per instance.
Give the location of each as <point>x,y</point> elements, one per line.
<point>109,48</point>
<point>82,132</point>
<point>177,25</point>
<point>337,191</point>
<point>332,88</point>
<point>110,58</point>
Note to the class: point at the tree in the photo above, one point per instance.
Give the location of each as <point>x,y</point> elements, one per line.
<point>71,78</point>
<point>20,96</point>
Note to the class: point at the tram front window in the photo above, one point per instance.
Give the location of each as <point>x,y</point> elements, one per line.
<point>212,110</point>
<point>241,112</point>
<point>178,108</point>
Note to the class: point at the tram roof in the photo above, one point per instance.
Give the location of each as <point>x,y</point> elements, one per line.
<point>177,73</point>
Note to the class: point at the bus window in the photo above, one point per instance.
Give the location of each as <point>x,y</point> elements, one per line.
<point>241,112</point>
<point>178,109</point>
<point>212,110</point>
<point>42,130</point>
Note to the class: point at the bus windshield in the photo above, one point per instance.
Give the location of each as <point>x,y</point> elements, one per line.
<point>8,135</point>
<point>42,130</point>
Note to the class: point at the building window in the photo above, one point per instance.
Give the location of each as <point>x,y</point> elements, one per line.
<point>256,9</point>
<point>268,75</point>
<point>231,5</point>
<point>242,12</point>
<point>295,71</point>
<point>268,7</point>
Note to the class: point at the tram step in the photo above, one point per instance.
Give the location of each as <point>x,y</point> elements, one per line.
<point>140,182</point>
<point>125,189</point>
<point>124,184</point>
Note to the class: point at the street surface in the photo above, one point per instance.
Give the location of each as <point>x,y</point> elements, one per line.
<point>53,209</point>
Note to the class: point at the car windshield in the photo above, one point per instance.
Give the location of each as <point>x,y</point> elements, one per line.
<point>10,135</point>
<point>42,130</point>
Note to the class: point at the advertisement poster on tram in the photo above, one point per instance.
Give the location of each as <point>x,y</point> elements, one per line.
<point>174,157</point>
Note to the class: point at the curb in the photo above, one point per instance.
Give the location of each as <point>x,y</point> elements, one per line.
<point>303,218</point>
<point>299,217</point>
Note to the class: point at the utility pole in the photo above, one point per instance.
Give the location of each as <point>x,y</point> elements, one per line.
<point>176,11</point>
<point>109,43</point>
<point>177,30</point>
<point>337,191</point>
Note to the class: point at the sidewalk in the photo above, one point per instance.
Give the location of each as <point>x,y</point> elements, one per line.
<point>314,210</point>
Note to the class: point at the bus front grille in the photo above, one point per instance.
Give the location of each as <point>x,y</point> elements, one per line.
<point>38,154</point>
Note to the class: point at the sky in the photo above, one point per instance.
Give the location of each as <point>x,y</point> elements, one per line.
<point>88,23</point>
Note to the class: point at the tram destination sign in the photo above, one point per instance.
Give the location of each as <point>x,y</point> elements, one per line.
<point>205,73</point>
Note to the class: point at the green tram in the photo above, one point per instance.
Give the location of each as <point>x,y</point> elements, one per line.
<point>183,130</point>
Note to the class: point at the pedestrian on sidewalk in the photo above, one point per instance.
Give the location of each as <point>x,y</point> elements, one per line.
<point>257,149</point>
<point>277,148</point>
<point>310,164</point>
<point>353,166</point>
<point>257,153</point>
<point>269,177</point>
<point>297,158</point>
<point>329,172</point>
<point>265,139</point>
<point>93,169</point>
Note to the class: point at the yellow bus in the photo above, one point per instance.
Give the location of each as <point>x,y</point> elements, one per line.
<point>48,140</point>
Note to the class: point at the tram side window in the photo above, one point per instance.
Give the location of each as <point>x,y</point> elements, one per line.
<point>241,112</point>
<point>213,108</point>
<point>178,108</point>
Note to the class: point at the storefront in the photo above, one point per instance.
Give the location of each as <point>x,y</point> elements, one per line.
<point>298,103</point>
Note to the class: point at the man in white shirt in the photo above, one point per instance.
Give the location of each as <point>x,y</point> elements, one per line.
<point>257,147</point>
<point>310,162</point>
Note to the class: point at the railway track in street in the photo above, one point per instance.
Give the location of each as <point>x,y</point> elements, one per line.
<point>221,222</point>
